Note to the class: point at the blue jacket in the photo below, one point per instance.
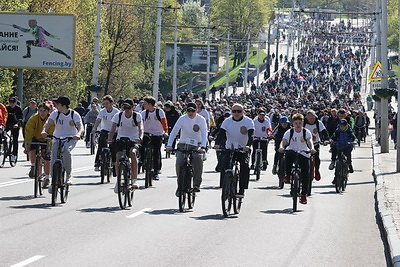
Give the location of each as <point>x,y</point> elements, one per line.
<point>342,138</point>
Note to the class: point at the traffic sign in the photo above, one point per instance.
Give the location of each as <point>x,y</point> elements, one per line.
<point>376,85</point>
<point>376,74</point>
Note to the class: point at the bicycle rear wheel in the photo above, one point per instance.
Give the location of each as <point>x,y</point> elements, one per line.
<point>226,197</point>
<point>294,192</point>
<point>103,167</point>
<point>55,179</point>
<point>237,201</point>
<point>344,174</point>
<point>338,176</point>
<point>37,183</point>
<point>122,173</point>
<point>64,188</point>
<point>10,150</point>
<point>3,153</point>
<point>109,165</point>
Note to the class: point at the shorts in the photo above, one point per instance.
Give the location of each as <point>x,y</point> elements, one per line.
<point>121,145</point>
<point>43,148</point>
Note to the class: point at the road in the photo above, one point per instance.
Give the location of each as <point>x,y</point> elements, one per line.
<point>91,230</point>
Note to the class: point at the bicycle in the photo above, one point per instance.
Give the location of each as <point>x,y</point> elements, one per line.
<point>185,180</point>
<point>106,165</point>
<point>359,131</point>
<point>281,170</point>
<point>6,148</point>
<point>37,187</point>
<point>147,161</point>
<point>230,184</point>
<point>295,174</point>
<point>312,174</point>
<point>258,158</point>
<point>125,190</point>
<point>58,184</point>
<point>94,137</point>
<point>167,153</point>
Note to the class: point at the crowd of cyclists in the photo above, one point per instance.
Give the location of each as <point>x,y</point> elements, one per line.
<point>315,100</point>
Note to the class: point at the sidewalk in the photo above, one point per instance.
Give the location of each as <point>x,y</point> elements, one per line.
<point>388,196</point>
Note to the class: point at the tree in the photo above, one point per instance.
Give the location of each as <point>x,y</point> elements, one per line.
<point>194,14</point>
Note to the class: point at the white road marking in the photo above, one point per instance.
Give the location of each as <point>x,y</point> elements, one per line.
<point>28,261</point>
<point>140,212</point>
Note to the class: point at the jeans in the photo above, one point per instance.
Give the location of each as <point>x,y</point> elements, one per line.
<point>243,159</point>
<point>197,163</point>
<point>66,154</point>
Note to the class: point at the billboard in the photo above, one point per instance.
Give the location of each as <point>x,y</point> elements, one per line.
<point>37,41</point>
<point>192,57</point>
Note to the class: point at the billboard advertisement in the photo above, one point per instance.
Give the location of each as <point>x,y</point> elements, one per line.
<point>37,41</point>
<point>192,57</point>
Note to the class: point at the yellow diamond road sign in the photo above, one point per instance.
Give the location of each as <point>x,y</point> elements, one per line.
<point>376,74</point>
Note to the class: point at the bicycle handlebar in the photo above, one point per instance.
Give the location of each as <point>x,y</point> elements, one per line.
<point>59,138</point>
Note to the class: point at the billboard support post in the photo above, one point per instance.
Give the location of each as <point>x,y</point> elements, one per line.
<point>20,86</point>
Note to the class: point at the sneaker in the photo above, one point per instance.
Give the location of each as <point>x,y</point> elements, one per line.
<point>351,170</point>
<point>286,179</point>
<point>303,199</point>
<point>332,165</point>
<point>97,168</point>
<point>32,172</point>
<point>317,176</point>
<point>196,189</point>
<point>252,167</point>
<point>135,184</point>
<point>87,144</point>
<point>116,188</point>
<point>274,169</point>
<point>68,180</point>
<point>156,177</point>
<point>41,178</point>
<point>46,183</point>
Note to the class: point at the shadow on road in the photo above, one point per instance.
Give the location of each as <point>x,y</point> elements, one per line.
<point>16,198</point>
<point>87,176</point>
<point>105,209</point>
<point>267,188</point>
<point>80,184</point>
<point>215,217</point>
<point>210,188</point>
<point>285,211</point>
<point>163,212</point>
<point>33,206</point>
<point>328,193</point>
<point>285,195</point>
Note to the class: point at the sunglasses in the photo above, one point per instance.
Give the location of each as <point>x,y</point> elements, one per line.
<point>191,110</point>
<point>237,111</point>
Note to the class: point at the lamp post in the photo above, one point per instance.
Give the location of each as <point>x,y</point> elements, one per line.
<point>384,84</point>
<point>156,78</point>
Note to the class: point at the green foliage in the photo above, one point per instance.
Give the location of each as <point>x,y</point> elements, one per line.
<point>393,25</point>
<point>193,14</point>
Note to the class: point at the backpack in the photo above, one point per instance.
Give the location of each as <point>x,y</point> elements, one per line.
<point>157,114</point>
<point>292,133</point>
<point>133,117</point>
<point>72,117</point>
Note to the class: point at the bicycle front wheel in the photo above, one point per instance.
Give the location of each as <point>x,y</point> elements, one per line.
<point>10,152</point>
<point>55,180</point>
<point>281,172</point>
<point>191,195</point>
<point>338,176</point>
<point>237,201</point>
<point>128,188</point>
<point>122,173</point>
<point>92,144</point>
<point>181,189</point>
<point>226,197</point>
<point>3,153</point>
<point>294,192</point>
<point>37,183</point>
<point>148,168</point>
<point>257,167</point>
<point>103,167</point>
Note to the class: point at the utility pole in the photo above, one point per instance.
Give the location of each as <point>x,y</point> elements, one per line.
<point>277,45</point>
<point>398,108</point>
<point>384,84</point>
<point>246,68</point>
<point>227,65</point>
<point>208,54</point>
<point>156,79</point>
<point>175,63</point>
<point>95,78</point>
<point>269,51</point>
<point>258,61</point>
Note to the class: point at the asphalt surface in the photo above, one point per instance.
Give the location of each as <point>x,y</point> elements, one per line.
<point>91,230</point>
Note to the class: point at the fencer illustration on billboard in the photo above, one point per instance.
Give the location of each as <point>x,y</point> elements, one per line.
<point>37,41</point>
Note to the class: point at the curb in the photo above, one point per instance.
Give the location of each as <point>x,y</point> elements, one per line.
<point>384,213</point>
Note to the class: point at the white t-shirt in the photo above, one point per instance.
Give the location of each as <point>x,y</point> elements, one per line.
<point>237,131</point>
<point>314,131</point>
<point>298,143</point>
<point>65,124</point>
<point>105,116</point>
<point>151,124</point>
<point>204,113</point>
<point>127,127</point>
<point>193,131</point>
<point>260,128</point>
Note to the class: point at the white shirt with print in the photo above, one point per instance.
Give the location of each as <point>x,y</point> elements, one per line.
<point>237,131</point>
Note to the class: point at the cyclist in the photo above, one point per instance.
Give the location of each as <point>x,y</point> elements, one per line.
<point>193,131</point>
<point>277,134</point>
<point>28,112</point>
<point>33,130</point>
<point>67,123</point>
<point>344,138</point>
<point>14,122</point>
<point>89,120</point>
<point>156,125</point>
<point>104,119</point>
<point>130,125</point>
<point>360,124</point>
<point>342,115</point>
<point>298,138</point>
<point>172,116</point>
<point>319,135</point>
<point>238,131</point>
<point>262,129</point>
<point>201,110</point>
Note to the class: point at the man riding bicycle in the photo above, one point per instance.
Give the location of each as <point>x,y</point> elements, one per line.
<point>33,130</point>
<point>360,125</point>
<point>130,127</point>
<point>238,131</point>
<point>104,119</point>
<point>193,131</point>
<point>262,129</point>
<point>277,134</point>
<point>67,124</point>
<point>298,139</point>
<point>14,122</point>
<point>342,115</point>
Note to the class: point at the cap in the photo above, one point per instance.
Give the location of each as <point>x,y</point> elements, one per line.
<point>343,122</point>
<point>191,105</point>
<point>312,112</point>
<point>63,100</point>
<point>33,100</point>
<point>261,112</point>
<point>284,119</point>
<point>168,104</point>
<point>128,101</point>
<point>13,100</point>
